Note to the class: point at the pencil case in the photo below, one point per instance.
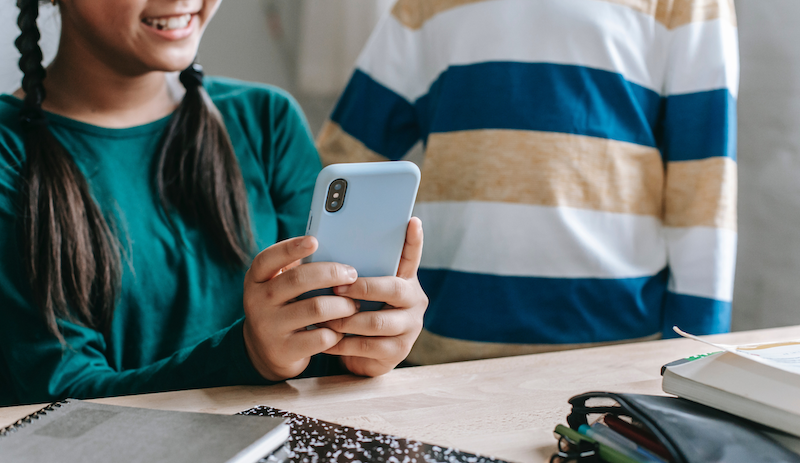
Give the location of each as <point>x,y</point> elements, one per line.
<point>684,431</point>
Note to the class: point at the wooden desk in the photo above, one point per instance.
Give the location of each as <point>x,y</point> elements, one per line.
<point>506,407</point>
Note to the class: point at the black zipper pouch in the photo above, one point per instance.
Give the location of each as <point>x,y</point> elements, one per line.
<point>690,432</point>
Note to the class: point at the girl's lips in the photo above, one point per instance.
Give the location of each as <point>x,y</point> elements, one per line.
<point>173,27</point>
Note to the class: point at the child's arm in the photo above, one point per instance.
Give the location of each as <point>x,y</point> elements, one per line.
<point>699,148</point>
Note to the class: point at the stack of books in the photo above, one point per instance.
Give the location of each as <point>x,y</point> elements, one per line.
<point>758,382</point>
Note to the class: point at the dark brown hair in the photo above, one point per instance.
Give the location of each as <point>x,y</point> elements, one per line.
<point>71,253</point>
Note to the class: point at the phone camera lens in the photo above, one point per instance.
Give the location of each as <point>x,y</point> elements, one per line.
<point>337,190</point>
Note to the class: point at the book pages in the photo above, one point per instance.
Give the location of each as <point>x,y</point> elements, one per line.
<point>782,355</point>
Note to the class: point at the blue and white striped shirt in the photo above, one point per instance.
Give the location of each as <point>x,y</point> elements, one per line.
<point>579,179</point>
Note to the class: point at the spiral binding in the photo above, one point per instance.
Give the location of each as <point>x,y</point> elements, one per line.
<point>20,423</point>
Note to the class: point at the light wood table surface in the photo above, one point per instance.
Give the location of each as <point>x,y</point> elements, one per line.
<point>506,408</point>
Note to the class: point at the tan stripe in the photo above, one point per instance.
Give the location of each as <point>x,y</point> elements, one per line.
<point>676,13</point>
<point>671,13</point>
<point>335,145</point>
<point>701,193</point>
<point>689,11</point>
<point>414,13</point>
<point>543,168</point>
<point>432,349</point>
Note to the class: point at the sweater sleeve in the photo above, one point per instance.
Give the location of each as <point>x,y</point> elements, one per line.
<point>293,165</point>
<point>699,147</point>
<point>36,367</point>
<point>377,118</point>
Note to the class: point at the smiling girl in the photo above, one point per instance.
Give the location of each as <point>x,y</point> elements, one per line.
<point>131,211</point>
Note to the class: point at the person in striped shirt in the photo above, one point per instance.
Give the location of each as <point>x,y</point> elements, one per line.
<point>579,175</point>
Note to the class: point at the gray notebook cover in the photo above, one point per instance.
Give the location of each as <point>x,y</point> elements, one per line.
<point>77,431</point>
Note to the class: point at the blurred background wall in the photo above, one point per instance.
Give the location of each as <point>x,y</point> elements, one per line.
<point>305,46</point>
<point>767,291</point>
<point>308,47</point>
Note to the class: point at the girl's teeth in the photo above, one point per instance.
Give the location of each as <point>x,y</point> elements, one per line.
<point>166,24</point>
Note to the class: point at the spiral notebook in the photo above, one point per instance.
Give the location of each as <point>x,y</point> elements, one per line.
<point>315,440</point>
<point>78,431</point>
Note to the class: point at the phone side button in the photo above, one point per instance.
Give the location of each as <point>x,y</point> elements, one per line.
<point>310,218</point>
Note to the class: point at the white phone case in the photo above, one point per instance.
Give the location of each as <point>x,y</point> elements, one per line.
<point>369,230</point>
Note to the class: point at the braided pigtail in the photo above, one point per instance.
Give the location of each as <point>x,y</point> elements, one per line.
<point>71,256</point>
<point>198,174</point>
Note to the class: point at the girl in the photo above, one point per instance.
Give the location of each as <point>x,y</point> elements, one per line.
<point>130,209</point>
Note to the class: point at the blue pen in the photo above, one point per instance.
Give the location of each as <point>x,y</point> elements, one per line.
<point>589,432</point>
<point>642,454</point>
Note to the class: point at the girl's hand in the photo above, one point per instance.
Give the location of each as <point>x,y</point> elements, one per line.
<point>275,334</point>
<point>384,336</point>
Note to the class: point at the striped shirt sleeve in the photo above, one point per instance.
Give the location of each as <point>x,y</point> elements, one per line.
<point>699,148</point>
<point>375,120</point>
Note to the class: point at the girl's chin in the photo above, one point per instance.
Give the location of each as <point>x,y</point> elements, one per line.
<point>171,60</point>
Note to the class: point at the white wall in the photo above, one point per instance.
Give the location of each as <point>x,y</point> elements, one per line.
<point>10,75</point>
<point>238,43</point>
<point>767,291</point>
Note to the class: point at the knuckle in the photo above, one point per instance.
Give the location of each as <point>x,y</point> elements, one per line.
<point>288,250</point>
<point>336,325</point>
<point>398,288</point>
<point>368,286</point>
<point>378,323</point>
<point>295,277</point>
<point>424,299</point>
<point>260,260</point>
<point>387,348</point>
<point>365,345</point>
<point>318,307</point>
<point>269,292</point>
<point>405,344</point>
<point>327,338</point>
<point>338,273</point>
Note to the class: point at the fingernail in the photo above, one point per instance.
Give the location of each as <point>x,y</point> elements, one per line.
<point>342,289</point>
<point>306,243</point>
<point>352,273</point>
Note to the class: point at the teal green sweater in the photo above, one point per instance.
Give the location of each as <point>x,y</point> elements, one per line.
<point>178,319</point>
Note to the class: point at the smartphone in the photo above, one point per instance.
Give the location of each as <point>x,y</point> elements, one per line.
<point>359,215</point>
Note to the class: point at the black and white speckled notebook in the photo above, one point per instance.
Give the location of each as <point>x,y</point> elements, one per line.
<point>313,441</point>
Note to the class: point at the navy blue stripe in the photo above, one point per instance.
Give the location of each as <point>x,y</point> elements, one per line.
<point>696,315</point>
<point>382,120</point>
<point>540,96</point>
<point>700,125</point>
<point>532,310</point>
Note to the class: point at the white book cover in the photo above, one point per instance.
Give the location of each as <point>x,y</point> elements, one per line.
<point>759,382</point>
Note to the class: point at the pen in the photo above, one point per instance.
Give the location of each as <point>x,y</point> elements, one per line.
<point>637,435</point>
<point>622,440</point>
<point>604,434</point>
